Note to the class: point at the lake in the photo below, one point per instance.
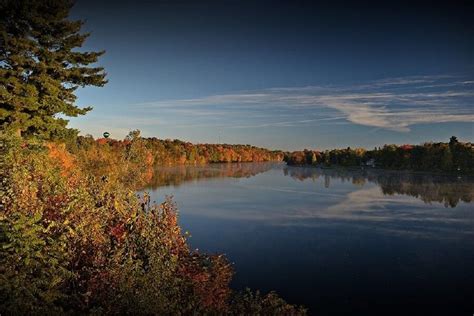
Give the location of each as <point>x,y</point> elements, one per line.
<point>338,241</point>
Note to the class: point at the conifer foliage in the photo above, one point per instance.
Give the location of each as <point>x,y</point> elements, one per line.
<point>75,243</point>
<point>41,67</point>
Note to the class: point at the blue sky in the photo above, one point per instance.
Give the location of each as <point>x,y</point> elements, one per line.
<point>287,75</point>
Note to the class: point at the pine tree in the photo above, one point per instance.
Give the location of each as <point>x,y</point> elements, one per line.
<point>41,68</point>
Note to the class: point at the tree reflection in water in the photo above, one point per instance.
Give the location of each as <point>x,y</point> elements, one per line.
<point>445,189</point>
<point>176,175</point>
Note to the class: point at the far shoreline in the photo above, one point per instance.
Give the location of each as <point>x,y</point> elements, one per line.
<point>354,168</point>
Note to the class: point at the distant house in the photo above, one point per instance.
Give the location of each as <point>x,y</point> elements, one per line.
<point>370,163</point>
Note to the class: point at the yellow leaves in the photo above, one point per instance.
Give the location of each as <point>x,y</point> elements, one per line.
<point>117,206</point>
<point>58,153</point>
<point>94,233</point>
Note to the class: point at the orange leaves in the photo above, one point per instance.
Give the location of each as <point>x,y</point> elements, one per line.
<point>182,160</point>
<point>149,159</point>
<point>97,246</point>
<point>129,159</point>
<point>148,174</point>
<point>58,152</point>
<point>102,141</point>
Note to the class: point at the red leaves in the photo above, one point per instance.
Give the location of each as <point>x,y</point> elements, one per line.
<point>53,206</point>
<point>210,277</point>
<point>118,232</point>
<point>106,249</point>
<point>102,141</point>
<point>406,147</point>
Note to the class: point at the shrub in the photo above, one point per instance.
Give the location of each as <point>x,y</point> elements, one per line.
<point>75,242</point>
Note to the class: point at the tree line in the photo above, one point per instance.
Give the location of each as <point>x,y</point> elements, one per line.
<point>452,156</point>
<point>134,159</point>
<point>177,175</point>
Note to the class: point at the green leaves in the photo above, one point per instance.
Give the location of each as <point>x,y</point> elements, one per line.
<point>39,69</point>
<point>71,242</point>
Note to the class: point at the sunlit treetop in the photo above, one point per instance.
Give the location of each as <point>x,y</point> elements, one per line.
<point>41,68</point>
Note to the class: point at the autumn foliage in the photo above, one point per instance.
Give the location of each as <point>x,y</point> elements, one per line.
<point>134,159</point>
<point>76,241</point>
<point>454,156</point>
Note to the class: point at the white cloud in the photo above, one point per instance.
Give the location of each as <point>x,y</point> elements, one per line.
<point>394,104</point>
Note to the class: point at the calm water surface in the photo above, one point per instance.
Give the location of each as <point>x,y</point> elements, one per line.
<point>350,242</point>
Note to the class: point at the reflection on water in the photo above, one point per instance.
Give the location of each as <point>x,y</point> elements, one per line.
<point>445,189</point>
<point>176,175</point>
<point>342,242</point>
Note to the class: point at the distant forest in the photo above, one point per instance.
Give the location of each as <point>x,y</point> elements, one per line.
<point>132,161</point>
<point>454,156</point>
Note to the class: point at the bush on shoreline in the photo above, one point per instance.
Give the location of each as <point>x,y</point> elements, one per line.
<point>74,242</point>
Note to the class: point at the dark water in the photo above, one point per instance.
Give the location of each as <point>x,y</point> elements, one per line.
<point>348,242</point>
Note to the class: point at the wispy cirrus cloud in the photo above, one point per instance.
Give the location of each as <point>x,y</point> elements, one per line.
<point>393,104</point>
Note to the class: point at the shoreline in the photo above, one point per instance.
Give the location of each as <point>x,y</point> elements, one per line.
<point>354,168</point>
